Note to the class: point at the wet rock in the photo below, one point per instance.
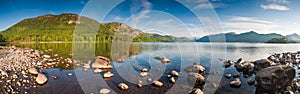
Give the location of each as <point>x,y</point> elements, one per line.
<point>144,70</point>
<point>196,79</point>
<point>172,79</point>
<point>140,84</point>
<point>143,74</point>
<point>263,63</point>
<point>108,75</point>
<point>174,73</point>
<point>104,91</point>
<point>273,79</point>
<point>228,76</point>
<point>196,68</point>
<point>196,91</point>
<point>70,74</point>
<point>33,71</point>
<point>158,83</point>
<point>123,86</point>
<point>41,79</point>
<point>236,83</point>
<point>162,59</point>
<point>251,82</point>
<point>97,71</point>
<point>228,63</point>
<point>101,62</point>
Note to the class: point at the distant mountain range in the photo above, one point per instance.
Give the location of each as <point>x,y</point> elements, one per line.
<point>246,37</point>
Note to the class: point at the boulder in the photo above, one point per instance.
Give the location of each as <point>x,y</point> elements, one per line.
<point>196,68</point>
<point>263,63</point>
<point>228,63</point>
<point>274,79</point>
<point>33,71</point>
<point>101,63</point>
<point>123,86</point>
<point>196,79</point>
<point>41,79</point>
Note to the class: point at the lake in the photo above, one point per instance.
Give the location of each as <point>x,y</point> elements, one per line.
<point>141,55</point>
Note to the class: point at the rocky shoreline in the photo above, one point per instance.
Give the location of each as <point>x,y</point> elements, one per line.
<point>274,75</point>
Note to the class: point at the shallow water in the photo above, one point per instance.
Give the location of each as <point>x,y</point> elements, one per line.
<point>139,55</point>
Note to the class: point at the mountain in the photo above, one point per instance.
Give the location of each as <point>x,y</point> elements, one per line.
<point>49,28</point>
<point>243,37</point>
<point>293,37</point>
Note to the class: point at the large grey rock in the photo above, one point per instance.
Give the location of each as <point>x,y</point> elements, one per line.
<point>196,68</point>
<point>101,62</point>
<point>196,79</point>
<point>41,79</point>
<point>274,79</point>
<point>263,63</point>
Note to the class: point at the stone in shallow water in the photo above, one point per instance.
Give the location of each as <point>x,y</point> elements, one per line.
<point>123,86</point>
<point>174,73</point>
<point>236,83</point>
<point>196,91</point>
<point>143,74</point>
<point>104,91</point>
<point>172,79</point>
<point>101,62</point>
<point>41,79</point>
<point>158,83</point>
<point>33,71</point>
<point>108,75</point>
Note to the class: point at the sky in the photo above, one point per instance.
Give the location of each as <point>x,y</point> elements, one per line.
<point>189,18</point>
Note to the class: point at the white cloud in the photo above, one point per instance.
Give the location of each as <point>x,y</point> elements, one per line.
<point>118,18</point>
<point>209,5</point>
<point>244,24</point>
<point>277,1</point>
<point>144,6</point>
<point>248,19</point>
<point>274,7</point>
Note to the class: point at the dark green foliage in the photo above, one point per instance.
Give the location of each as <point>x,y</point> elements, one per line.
<point>280,40</point>
<point>53,28</point>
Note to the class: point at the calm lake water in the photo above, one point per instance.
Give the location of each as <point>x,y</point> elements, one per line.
<point>141,55</point>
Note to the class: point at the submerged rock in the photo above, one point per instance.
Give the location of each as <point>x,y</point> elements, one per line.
<point>228,63</point>
<point>41,79</point>
<point>143,74</point>
<point>104,91</point>
<point>162,59</point>
<point>274,79</point>
<point>228,76</point>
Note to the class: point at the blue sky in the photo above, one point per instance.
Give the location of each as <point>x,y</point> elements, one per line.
<point>171,17</point>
